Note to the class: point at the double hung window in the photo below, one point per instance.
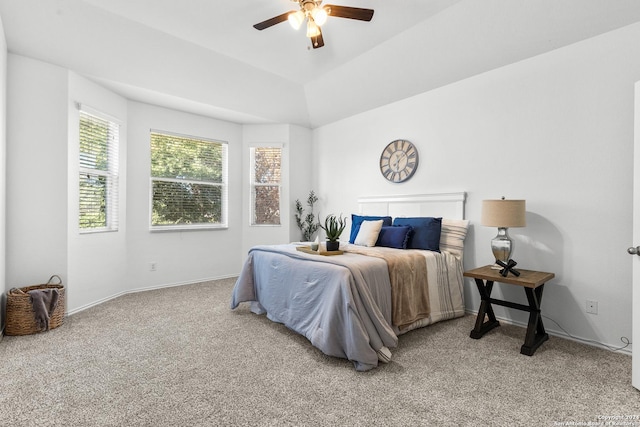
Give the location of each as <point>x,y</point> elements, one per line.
<point>98,173</point>
<point>188,182</point>
<point>266,162</point>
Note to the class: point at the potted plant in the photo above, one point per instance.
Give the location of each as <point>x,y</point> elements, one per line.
<point>333,227</point>
<point>307,222</point>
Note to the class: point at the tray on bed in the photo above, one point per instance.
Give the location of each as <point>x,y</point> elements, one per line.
<point>307,250</point>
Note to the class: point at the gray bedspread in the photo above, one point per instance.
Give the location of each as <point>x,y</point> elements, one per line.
<point>342,304</point>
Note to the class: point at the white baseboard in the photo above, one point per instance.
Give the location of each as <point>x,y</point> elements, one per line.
<point>147,288</point>
<point>560,334</point>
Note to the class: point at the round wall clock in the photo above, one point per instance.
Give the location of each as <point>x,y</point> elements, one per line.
<point>399,160</point>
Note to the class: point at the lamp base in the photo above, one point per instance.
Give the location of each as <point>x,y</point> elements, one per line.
<point>502,246</point>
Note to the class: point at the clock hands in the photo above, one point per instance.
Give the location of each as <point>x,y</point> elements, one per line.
<point>398,158</point>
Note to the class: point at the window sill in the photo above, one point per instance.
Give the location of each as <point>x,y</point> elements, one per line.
<point>84,232</point>
<point>203,227</point>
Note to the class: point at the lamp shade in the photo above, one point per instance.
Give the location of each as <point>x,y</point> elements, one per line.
<point>296,19</point>
<point>312,29</point>
<point>503,213</point>
<point>319,16</point>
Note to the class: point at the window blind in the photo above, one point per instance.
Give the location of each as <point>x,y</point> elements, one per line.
<point>98,173</point>
<point>188,181</point>
<point>266,170</point>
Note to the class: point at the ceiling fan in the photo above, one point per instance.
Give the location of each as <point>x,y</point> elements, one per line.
<point>316,15</point>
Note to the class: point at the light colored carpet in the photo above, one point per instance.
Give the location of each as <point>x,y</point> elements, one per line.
<point>180,357</point>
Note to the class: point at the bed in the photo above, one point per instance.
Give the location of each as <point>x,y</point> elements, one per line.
<point>356,305</point>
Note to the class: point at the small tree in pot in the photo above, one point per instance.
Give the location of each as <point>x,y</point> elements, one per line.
<point>333,227</point>
<point>307,222</point>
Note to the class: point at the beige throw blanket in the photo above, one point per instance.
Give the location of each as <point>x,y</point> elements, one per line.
<point>409,286</point>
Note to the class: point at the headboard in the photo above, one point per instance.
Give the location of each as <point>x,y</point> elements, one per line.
<point>445,205</point>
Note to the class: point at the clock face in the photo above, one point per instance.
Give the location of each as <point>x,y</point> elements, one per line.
<point>399,160</point>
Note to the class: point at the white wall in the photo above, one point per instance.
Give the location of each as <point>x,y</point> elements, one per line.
<point>42,193</point>
<point>42,200</point>
<point>181,256</point>
<point>3,168</point>
<point>556,130</point>
<point>253,135</point>
<point>97,262</point>
<point>302,168</point>
<point>42,233</point>
<point>296,181</point>
<point>36,195</point>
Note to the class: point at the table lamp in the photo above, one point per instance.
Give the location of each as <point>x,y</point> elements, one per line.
<point>503,214</point>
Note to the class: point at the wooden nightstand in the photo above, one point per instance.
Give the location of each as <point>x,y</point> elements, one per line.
<point>533,284</point>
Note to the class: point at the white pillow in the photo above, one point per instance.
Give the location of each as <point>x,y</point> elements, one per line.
<point>452,235</point>
<point>368,234</point>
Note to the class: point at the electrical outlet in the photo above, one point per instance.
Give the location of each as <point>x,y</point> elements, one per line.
<point>592,307</point>
<point>153,266</point>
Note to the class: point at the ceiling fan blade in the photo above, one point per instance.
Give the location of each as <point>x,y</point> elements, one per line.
<point>317,41</point>
<point>349,12</point>
<point>273,21</point>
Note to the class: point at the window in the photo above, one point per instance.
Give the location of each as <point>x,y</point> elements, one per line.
<point>98,184</point>
<point>265,185</point>
<point>188,182</point>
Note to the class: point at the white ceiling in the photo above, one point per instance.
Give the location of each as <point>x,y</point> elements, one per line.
<point>227,27</point>
<point>204,56</point>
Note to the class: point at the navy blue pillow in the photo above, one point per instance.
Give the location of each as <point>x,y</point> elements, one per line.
<point>426,232</point>
<point>394,236</point>
<point>356,221</point>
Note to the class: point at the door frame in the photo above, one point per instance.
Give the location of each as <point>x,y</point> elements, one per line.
<point>635,283</point>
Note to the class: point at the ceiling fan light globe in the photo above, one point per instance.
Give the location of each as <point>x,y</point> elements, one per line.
<point>312,28</point>
<point>296,19</point>
<point>319,16</point>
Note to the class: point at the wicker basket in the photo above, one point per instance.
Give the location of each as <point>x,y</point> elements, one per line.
<point>20,316</point>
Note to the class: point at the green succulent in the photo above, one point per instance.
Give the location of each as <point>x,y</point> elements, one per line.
<point>334,226</point>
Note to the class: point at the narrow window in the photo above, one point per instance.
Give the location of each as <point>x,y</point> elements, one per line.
<point>265,185</point>
<point>98,160</point>
<point>188,182</point>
